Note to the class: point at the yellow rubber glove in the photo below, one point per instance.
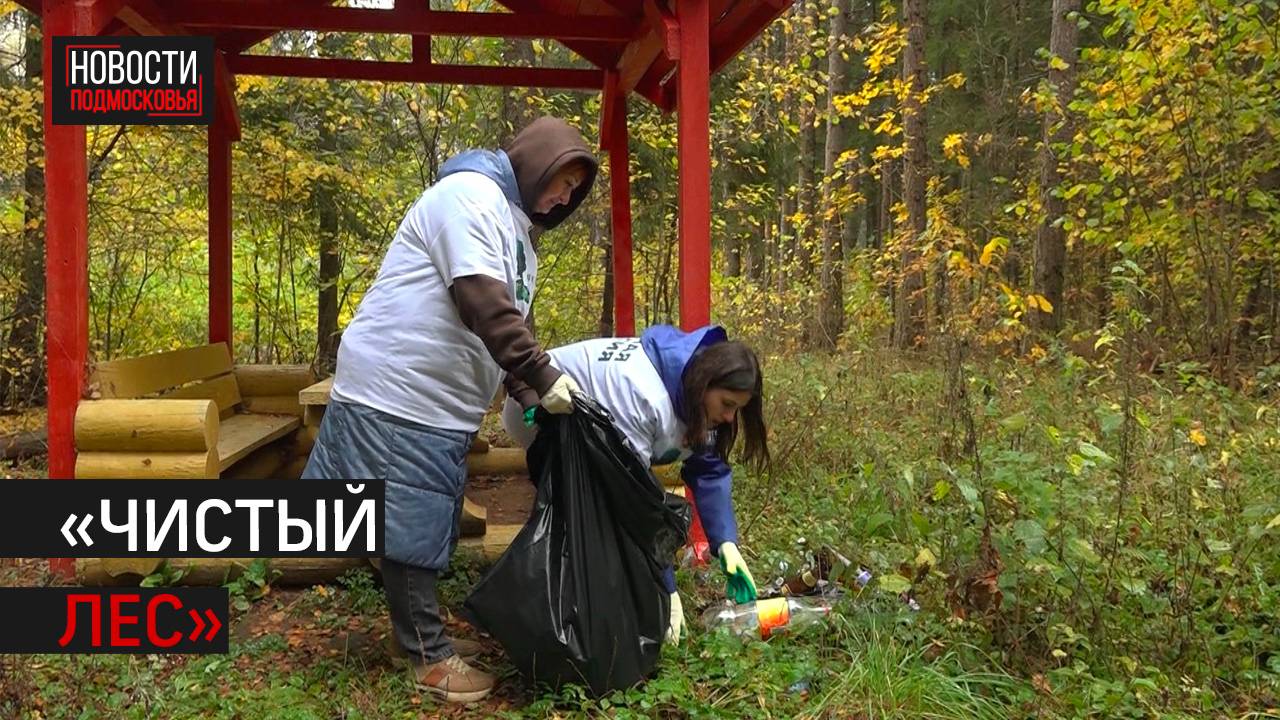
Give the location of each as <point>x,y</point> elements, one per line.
<point>677,620</point>
<point>740,587</point>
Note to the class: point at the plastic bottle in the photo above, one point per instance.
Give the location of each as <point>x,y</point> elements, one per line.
<point>764,618</point>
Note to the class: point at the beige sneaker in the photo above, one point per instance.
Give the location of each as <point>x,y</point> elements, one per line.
<point>453,680</point>
<point>468,650</point>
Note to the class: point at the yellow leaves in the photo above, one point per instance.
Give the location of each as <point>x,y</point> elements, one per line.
<point>989,250</point>
<point>1041,302</point>
<point>953,148</point>
<point>888,125</point>
<point>1197,437</point>
<point>887,152</point>
<point>925,559</point>
<point>1057,63</point>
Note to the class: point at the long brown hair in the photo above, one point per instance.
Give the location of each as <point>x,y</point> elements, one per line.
<point>728,366</point>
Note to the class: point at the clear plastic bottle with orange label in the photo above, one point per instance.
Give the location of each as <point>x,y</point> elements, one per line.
<point>766,618</point>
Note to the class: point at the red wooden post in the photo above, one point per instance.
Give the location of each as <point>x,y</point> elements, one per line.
<point>694,137</point>
<point>66,256</point>
<point>624,301</point>
<point>219,233</point>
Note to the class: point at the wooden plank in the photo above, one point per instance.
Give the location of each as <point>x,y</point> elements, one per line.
<point>474,519</point>
<point>312,415</point>
<point>223,390</point>
<point>274,405</point>
<point>257,380</point>
<point>494,542</point>
<point>147,425</point>
<point>498,461</point>
<point>261,464</point>
<point>146,466</point>
<point>135,377</point>
<point>244,433</point>
<point>317,394</point>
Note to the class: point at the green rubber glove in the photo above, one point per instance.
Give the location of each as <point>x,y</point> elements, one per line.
<point>740,587</point>
<point>528,416</point>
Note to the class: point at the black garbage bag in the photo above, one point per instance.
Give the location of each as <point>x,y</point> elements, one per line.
<point>578,596</point>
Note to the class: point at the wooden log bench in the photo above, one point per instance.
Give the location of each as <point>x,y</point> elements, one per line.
<point>188,413</point>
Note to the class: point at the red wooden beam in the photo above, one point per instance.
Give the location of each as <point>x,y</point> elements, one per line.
<point>728,43</point>
<point>144,17</point>
<point>403,19</point>
<point>220,269</point>
<point>693,136</point>
<point>642,62</point>
<point>637,57</point>
<point>624,303</point>
<point>663,24</point>
<point>66,256</point>
<point>608,101</point>
<point>101,12</point>
<point>225,94</point>
<point>693,130</point>
<point>422,49</point>
<point>566,78</point>
<point>602,55</point>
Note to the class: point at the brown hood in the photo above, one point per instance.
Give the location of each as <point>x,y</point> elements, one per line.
<point>541,149</point>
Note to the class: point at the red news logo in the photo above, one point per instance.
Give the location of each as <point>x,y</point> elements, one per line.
<point>118,617</point>
<point>124,73</point>
<point>132,80</point>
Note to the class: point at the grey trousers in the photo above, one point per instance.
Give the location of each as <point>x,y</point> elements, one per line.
<point>415,612</point>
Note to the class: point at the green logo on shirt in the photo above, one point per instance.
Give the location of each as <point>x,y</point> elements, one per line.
<point>522,289</point>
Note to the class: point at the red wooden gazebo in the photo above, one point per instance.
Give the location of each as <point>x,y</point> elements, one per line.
<point>662,50</point>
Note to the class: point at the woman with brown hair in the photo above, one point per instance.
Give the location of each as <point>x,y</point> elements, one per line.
<point>675,396</point>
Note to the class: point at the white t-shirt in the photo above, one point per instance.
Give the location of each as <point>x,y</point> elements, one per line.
<point>617,373</point>
<point>406,352</point>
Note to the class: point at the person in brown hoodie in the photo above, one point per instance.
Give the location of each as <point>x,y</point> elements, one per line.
<point>420,362</point>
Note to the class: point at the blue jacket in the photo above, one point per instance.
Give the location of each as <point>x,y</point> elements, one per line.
<point>709,477</point>
<point>493,164</point>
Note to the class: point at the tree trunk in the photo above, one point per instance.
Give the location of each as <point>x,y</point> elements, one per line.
<point>22,377</point>
<point>754,261</point>
<point>606,324</point>
<point>330,265</point>
<point>884,223</point>
<point>733,255</point>
<point>910,311</point>
<point>831,306</point>
<point>784,242</point>
<point>1051,241</point>
<point>805,190</point>
<point>516,111</point>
